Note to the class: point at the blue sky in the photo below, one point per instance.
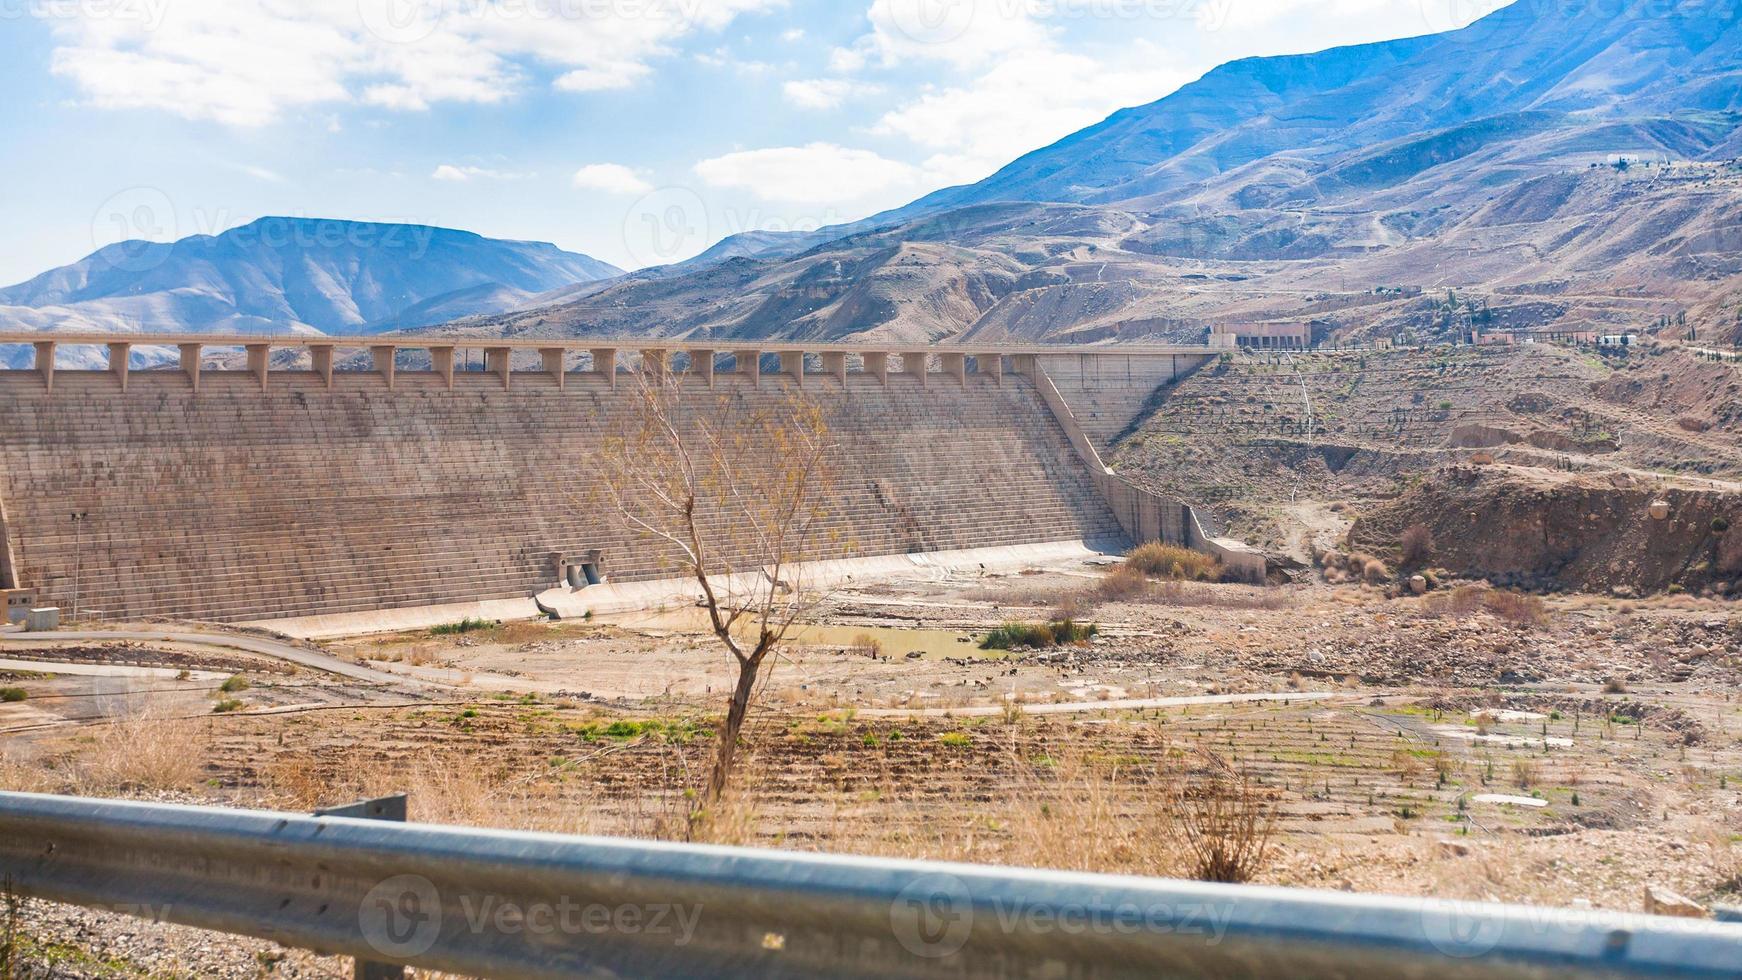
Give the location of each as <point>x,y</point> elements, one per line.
<point>637,131</point>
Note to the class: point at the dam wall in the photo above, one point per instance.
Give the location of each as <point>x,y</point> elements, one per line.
<point>249,495</point>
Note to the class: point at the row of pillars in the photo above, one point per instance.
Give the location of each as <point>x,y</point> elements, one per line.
<point>657,361</point>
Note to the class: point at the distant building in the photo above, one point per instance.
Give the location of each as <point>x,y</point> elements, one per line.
<point>1262,336</point>
<point>1617,340</point>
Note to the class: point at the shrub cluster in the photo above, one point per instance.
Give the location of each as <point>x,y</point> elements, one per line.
<point>467,625</point>
<point>1356,567</point>
<point>1039,635</point>
<point>1467,600</point>
<point>1174,563</point>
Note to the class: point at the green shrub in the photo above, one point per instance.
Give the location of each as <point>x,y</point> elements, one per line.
<point>1039,635</point>
<point>467,625</point>
<point>1720,525</point>
<point>226,706</point>
<point>236,683</point>
<point>12,694</point>
<point>956,739</point>
<point>1168,561</point>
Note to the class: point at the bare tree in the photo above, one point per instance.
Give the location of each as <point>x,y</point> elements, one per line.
<point>735,492</point>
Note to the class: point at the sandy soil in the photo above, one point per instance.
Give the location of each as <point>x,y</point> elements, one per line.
<point>1568,761</point>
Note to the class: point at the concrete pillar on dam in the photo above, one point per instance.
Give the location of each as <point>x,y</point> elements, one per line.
<point>118,357</point>
<point>45,362</point>
<point>190,362</point>
<point>382,355</point>
<point>702,365</point>
<point>441,361</point>
<point>792,365</point>
<point>749,364</point>
<point>955,365</point>
<point>913,362</point>
<point>605,364</point>
<point>321,359</point>
<point>877,365</point>
<point>552,358</point>
<point>500,362</point>
<point>835,365</point>
<point>259,361</point>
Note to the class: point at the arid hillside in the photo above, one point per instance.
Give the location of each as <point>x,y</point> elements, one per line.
<point>1548,165</point>
<point>1288,450</point>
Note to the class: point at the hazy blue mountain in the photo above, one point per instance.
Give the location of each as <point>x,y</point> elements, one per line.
<point>284,274</point>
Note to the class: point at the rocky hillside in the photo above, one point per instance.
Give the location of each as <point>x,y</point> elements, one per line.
<point>1551,165</point>
<point>1539,529</point>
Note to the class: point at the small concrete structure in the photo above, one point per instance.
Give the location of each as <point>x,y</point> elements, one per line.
<point>1262,336</point>
<point>42,620</point>
<point>16,603</point>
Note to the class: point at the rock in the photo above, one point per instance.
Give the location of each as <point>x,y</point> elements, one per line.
<point>1659,510</point>
<point>1418,584</point>
<point>1662,901</point>
<point>1454,848</point>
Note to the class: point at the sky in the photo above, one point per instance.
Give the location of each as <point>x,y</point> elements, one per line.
<point>635,131</point>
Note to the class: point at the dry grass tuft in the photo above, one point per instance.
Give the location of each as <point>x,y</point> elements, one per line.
<point>1223,821</point>
<point>1467,600</point>
<point>1125,583</point>
<point>1166,561</point>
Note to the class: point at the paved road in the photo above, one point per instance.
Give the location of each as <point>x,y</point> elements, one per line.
<point>228,641</point>
<point>1075,707</point>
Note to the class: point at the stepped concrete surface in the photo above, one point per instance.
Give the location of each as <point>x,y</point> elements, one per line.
<point>313,495</point>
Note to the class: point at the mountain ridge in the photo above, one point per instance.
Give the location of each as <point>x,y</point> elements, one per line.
<point>1270,186</point>
<point>283,273</point>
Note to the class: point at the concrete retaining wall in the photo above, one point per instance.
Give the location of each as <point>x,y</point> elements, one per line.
<point>237,502</point>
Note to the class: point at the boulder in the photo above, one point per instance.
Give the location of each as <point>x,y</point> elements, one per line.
<point>1418,584</point>
<point>1662,901</point>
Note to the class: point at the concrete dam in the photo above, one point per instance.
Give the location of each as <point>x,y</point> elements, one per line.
<point>269,493</point>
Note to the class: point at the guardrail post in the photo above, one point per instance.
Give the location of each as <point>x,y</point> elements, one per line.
<point>382,808</point>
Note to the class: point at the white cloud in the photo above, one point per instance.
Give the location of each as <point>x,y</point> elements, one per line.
<point>824,93</point>
<point>792,35</point>
<point>246,62</point>
<point>457,174</point>
<point>1029,100</point>
<point>817,173</point>
<point>612,178</point>
<point>261,173</point>
<point>963,33</point>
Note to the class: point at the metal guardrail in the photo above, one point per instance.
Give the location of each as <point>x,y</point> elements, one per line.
<point>507,904</point>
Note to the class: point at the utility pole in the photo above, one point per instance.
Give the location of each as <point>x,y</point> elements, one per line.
<point>78,555</point>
